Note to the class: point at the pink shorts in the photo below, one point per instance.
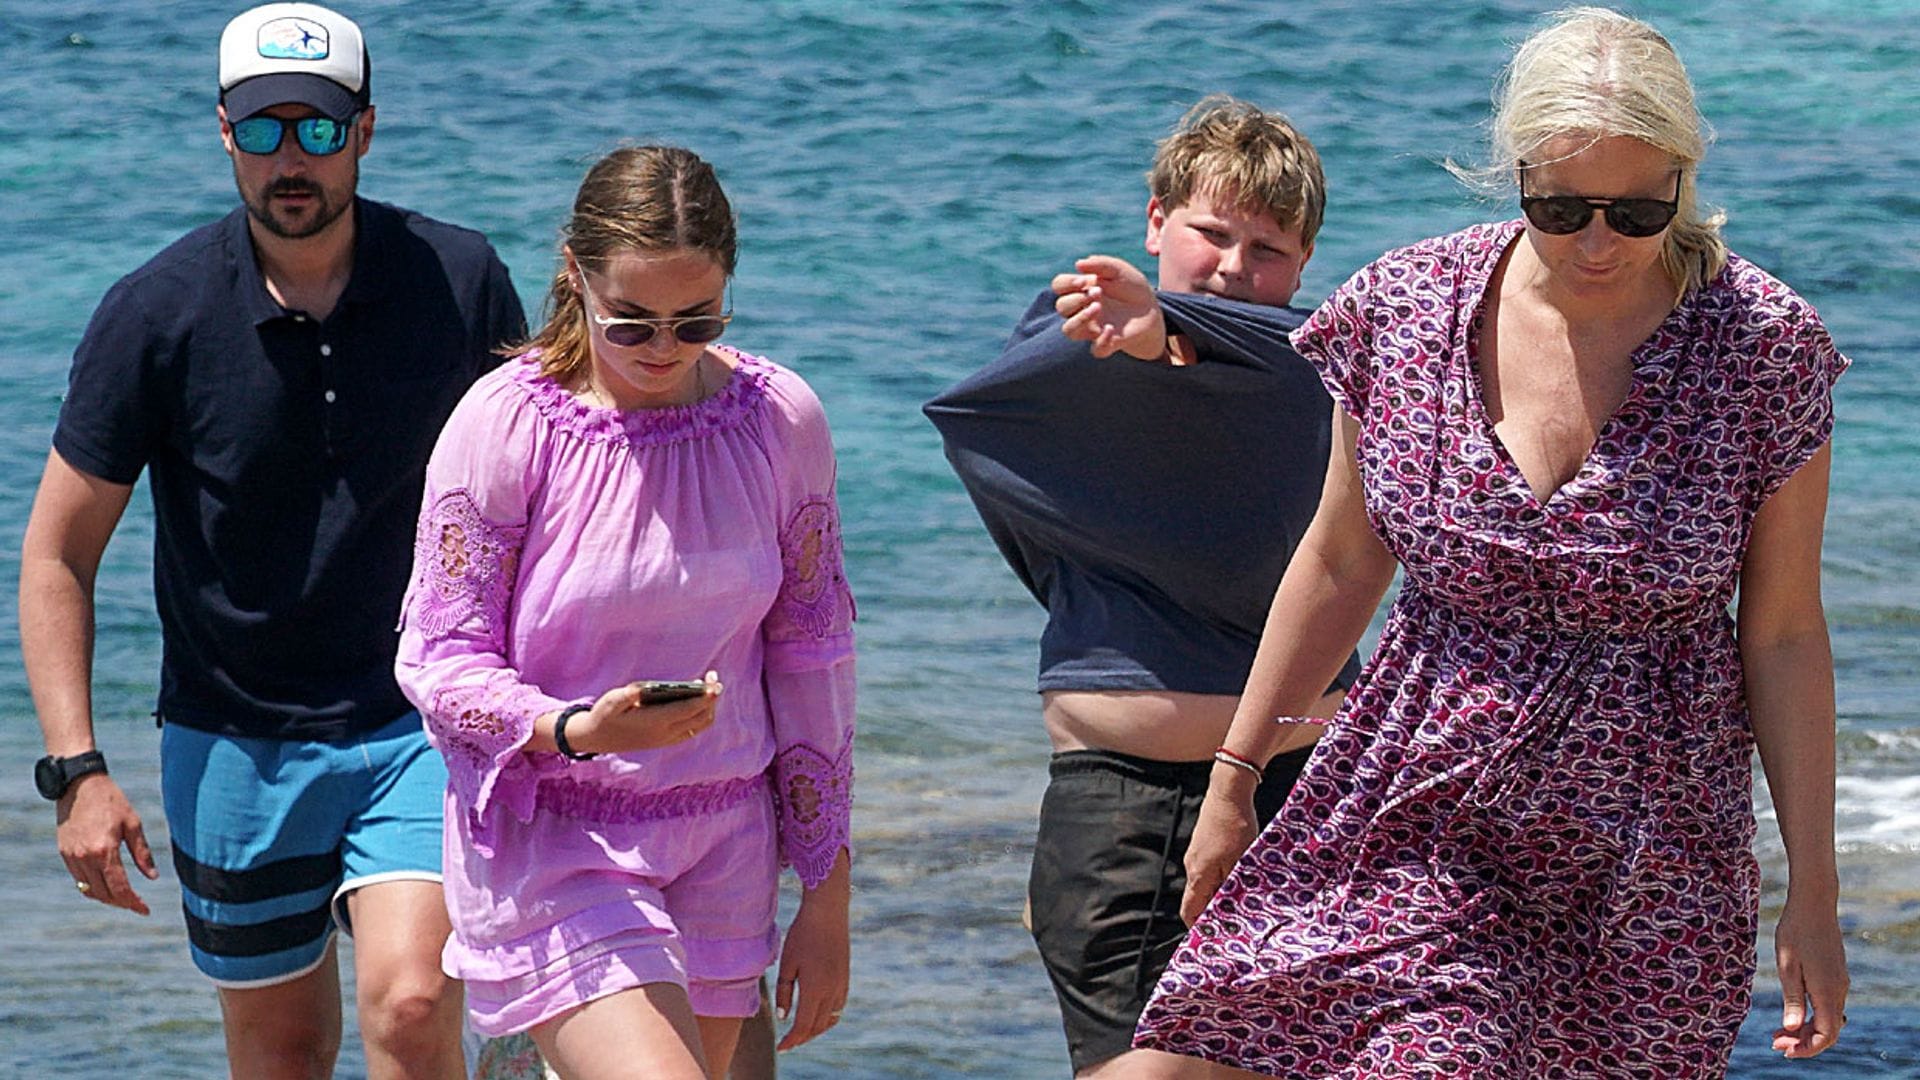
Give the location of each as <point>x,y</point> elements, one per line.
<point>568,910</point>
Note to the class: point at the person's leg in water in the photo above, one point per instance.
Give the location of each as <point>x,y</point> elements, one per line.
<point>754,1059</point>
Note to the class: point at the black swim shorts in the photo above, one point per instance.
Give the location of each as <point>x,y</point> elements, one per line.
<point>1107,878</point>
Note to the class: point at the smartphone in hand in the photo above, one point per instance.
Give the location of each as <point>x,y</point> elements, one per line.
<point>655,692</point>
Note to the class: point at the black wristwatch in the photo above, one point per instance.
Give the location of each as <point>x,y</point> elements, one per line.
<point>54,775</point>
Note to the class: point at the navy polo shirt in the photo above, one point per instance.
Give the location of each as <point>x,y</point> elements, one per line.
<point>286,457</point>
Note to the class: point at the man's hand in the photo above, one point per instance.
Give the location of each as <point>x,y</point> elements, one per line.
<point>1110,303</point>
<point>95,819</point>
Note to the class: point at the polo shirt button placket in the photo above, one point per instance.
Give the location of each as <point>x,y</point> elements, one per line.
<point>336,439</point>
<point>326,351</point>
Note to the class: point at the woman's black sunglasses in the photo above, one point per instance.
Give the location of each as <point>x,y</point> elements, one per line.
<point>1563,215</point>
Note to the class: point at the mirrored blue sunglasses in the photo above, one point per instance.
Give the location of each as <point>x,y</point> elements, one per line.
<point>319,136</point>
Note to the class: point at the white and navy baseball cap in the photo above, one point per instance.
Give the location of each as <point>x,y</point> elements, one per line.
<point>281,54</point>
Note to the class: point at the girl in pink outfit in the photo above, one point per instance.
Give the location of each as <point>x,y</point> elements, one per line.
<point>626,500</point>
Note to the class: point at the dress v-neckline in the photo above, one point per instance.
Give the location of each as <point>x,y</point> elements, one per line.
<point>1648,367</point>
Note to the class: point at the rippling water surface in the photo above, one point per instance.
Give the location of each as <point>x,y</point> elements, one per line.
<point>907,174</point>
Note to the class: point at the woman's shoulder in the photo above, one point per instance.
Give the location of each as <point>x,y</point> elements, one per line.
<point>501,392</point>
<point>494,431</point>
<point>788,419</point>
<point>1487,239</point>
<point>1439,261</point>
<point>1747,296</point>
<point>773,390</point>
<point>1767,333</point>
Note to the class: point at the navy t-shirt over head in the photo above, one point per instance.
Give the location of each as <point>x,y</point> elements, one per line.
<point>286,457</point>
<point>1150,508</point>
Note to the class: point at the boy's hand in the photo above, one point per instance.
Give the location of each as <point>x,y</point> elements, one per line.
<point>1110,303</point>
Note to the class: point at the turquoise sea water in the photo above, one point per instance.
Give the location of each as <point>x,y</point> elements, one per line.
<point>907,175</point>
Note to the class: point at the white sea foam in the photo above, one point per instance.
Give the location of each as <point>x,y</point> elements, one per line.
<point>1907,739</point>
<point>1877,812</point>
<point>1871,813</point>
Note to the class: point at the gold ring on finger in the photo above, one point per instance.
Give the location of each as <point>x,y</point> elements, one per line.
<point>82,886</point>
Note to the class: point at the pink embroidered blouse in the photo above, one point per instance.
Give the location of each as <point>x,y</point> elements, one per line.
<point>566,549</point>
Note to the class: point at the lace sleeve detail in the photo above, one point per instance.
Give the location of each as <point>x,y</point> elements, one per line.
<point>480,729</point>
<point>814,603</point>
<point>465,566</point>
<point>813,794</point>
<point>808,660</point>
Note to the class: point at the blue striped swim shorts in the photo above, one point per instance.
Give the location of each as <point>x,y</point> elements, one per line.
<point>270,835</point>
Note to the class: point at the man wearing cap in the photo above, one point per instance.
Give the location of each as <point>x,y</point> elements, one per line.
<point>281,375</point>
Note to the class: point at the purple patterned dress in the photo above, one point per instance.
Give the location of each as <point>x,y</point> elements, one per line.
<point>1524,847</point>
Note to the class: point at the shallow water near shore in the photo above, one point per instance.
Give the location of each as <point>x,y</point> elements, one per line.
<point>907,175</point>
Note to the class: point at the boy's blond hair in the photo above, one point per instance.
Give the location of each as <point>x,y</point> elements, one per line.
<point>1257,159</point>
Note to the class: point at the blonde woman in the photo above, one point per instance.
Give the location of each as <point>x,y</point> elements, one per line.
<point>1523,848</point>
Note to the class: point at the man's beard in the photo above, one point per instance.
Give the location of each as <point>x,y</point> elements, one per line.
<point>260,207</point>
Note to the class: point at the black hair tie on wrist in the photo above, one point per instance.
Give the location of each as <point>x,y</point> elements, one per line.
<point>560,733</point>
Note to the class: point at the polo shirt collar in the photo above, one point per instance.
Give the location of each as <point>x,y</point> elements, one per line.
<point>250,289</point>
<point>369,240</point>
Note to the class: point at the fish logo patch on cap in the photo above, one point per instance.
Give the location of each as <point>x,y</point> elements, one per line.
<point>293,38</point>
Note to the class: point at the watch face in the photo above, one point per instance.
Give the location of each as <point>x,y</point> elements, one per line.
<point>47,777</point>
<point>53,775</point>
